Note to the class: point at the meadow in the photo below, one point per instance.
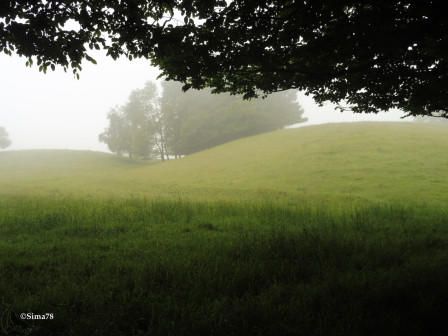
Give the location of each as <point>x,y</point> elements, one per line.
<point>323,230</point>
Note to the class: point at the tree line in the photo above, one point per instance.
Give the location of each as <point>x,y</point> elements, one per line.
<point>170,123</point>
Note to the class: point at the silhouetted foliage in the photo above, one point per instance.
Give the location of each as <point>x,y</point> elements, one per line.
<point>374,55</point>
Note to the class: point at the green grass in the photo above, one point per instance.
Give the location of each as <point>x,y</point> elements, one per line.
<point>137,266</point>
<point>256,237</point>
<point>393,162</point>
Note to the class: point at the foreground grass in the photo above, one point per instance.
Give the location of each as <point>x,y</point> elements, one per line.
<point>135,266</point>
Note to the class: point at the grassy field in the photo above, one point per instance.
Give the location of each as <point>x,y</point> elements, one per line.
<point>393,162</point>
<point>325,230</point>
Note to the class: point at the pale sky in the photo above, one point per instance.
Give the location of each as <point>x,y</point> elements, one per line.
<point>54,110</point>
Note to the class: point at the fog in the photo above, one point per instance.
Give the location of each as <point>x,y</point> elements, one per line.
<point>55,110</point>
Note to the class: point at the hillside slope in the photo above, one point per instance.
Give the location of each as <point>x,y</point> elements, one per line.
<point>380,161</point>
<point>377,161</point>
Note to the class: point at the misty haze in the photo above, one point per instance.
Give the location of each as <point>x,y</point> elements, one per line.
<point>223,168</point>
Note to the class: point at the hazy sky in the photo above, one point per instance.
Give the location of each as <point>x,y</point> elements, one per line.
<point>54,110</point>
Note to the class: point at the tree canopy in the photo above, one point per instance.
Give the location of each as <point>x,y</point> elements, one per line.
<point>372,55</point>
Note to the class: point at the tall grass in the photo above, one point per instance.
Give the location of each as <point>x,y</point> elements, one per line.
<point>136,266</point>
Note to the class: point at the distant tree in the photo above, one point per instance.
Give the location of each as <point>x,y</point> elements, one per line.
<point>156,119</point>
<point>117,136</point>
<point>4,138</point>
<point>199,119</point>
<point>177,106</point>
<point>178,123</point>
<point>145,102</point>
<point>131,126</point>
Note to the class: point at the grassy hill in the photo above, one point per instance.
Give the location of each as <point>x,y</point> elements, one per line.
<point>311,231</point>
<point>392,161</point>
<point>371,161</point>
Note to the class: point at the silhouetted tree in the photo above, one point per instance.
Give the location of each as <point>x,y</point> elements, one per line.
<point>374,55</point>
